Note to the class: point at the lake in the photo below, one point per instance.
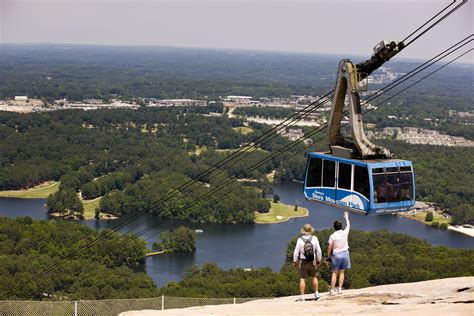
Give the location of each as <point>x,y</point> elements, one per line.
<point>232,246</point>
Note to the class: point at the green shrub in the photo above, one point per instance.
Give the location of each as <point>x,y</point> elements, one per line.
<point>429,217</point>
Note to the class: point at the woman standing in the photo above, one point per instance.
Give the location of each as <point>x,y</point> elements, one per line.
<point>338,251</point>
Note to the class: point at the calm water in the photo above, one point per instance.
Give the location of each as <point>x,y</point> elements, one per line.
<point>232,246</point>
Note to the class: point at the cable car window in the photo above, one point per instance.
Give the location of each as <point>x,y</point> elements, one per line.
<point>361,181</point>
<point>329,168</point>
<point>393,187</point>
<point>344,180</point>
<point>405,169</point>
<point>406,192</point>
<point>314,172</point>
<point>377,170</point>
<point>380,192</point>
<point>391,170</point>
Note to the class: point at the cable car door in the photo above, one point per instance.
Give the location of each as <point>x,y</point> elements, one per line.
<point>329,181</point>
<point>344,181</point>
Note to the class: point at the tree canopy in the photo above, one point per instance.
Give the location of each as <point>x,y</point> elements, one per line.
<point>102,270</point>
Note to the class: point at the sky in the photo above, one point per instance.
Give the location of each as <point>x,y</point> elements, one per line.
<point>349,27</point>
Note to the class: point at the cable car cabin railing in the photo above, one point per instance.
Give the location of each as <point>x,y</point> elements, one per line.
<point>364,186</point>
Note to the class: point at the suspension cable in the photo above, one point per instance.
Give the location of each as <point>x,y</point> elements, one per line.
<point>237,154</point>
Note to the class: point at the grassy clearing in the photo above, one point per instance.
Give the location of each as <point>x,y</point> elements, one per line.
<point>280,213</point>
<point>420,216</point>
<point>90,206</point>
<point>271,176</point>
<point>225,150</point>
<point>40,191</point>
<point>243,130</point>
<point>43,190</point>
<point>198,150</point>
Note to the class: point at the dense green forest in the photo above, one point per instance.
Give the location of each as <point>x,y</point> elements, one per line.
<point>377,258</point>
<point>100,271</point>
<point>131,158</point>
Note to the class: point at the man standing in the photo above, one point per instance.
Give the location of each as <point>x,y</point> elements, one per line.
<point>306,258</point>
<point>338,251</point>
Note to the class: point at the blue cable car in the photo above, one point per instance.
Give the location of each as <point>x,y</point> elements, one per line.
<point>356,174</point>
<point>375,186</point>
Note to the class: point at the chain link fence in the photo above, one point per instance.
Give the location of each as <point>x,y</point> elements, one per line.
<point>108,307</point>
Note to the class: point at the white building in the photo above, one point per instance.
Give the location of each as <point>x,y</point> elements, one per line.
<point>180,102</point>
<point>93,101</point>
<point>20,98</point>
<point>238,99</point>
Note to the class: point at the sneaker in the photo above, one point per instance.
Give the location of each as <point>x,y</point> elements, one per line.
<point>300,300</point>
<point>333,292</point>
<point>317,296</point>
<point>339,290</point>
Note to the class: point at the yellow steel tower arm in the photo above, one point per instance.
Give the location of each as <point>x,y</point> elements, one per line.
<point>348,77</point>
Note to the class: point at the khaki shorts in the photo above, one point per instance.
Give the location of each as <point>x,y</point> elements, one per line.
<point>307,269</point>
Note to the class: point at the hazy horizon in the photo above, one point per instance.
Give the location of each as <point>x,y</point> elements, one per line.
<point>261,25</point>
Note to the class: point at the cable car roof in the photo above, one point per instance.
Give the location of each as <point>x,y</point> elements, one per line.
<point>360,162</point>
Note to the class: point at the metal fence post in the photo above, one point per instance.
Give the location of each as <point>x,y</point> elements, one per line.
<point>162,302</point>
<point>234,300</point>
<point>75,308</point>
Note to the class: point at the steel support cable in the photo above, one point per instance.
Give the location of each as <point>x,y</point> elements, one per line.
<point>438,21</point>
<point>141,212</point>
<point>424,24</point>
<point>421,79</point>
<point>423,66</point>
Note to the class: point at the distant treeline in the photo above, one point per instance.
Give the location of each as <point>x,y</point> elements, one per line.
<point>79,72</point>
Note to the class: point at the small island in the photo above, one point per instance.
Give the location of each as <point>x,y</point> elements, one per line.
<point>280,213</point>
<point>181,239</point>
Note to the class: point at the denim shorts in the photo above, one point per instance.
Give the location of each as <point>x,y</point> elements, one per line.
<point>341,260</point>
